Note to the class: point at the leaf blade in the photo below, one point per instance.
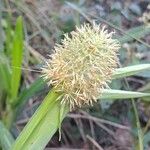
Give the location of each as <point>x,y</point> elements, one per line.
<point>46,129</point>
<point>130,70</point>
<point>5,76</point>
<point>6,139</point>
<point>27,93</point>
<point>121,94</point>
<point>48,104</point>
<point>135,32</point>
<point>17,56</point>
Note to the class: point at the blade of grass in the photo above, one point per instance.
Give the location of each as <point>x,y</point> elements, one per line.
<point>4,73</point>
<point>139,142</point>
<point>45,129</point>
<point>17,56</point>
<point>136,32</point>
<point>9,36</point>
<point>121,94</point>
<point>42,119</point>
<point>139,130</point>
<point>34,88</point>
<point>130,70</point>
<point>6,139</point>
<point>1,29</point>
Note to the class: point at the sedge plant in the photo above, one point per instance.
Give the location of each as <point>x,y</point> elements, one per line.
<point>79,71</point>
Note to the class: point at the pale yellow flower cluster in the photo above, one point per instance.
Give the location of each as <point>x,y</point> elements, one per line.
<point>82,65</point>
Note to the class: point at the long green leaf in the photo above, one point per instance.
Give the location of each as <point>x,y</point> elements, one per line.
<point>136,32</point>
<point>42,125</point>
<point>45,129</point>
<point>26,94</point>
<point>130,70</point>
<point>1,29</point>
<point>121,94</point>
<point>9,36</point>
<point>17,56</point>
<point>5,75</point>
<point>6,139</point>
<point>34,88</point>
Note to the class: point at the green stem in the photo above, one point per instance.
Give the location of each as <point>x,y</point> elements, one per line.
<point>139,130</point>
<point>140,134</point>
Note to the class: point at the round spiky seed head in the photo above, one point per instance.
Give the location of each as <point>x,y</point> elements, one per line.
<point>82,65</point>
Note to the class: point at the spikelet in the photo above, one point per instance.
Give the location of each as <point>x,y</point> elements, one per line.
<point>82,65</point>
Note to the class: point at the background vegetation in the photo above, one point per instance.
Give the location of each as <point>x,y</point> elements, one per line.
<point>28,32</point>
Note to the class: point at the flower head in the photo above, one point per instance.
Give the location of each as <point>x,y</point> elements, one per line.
<point>82,65</point>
